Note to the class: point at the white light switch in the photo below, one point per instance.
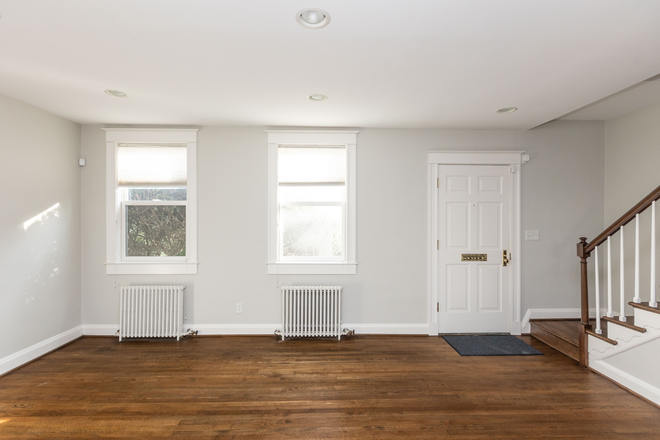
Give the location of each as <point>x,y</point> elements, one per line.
<point>531,235</point>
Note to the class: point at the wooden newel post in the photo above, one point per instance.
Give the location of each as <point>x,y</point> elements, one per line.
<point>584,310</point>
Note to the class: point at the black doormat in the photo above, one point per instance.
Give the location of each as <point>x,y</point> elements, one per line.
<point>490,345</point>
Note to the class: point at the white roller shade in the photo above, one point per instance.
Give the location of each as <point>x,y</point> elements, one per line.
<point>311,165</point>
<point>152,166</point>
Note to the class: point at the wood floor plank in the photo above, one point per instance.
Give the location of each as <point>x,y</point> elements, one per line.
<point>361,388</point>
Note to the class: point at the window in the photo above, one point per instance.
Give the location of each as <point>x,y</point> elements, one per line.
<point>151,206</point>
<point>311,202</point>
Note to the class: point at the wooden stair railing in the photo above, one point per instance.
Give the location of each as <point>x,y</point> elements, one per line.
<point>584,251</point>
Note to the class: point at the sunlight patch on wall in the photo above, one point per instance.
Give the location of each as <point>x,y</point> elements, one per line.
<point>40,218</point>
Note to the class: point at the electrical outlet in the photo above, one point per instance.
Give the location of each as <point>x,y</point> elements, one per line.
<point>531,235</point>
<point>239,307</point>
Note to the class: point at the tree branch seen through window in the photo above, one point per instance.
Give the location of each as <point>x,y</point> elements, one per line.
<point>156,230</point>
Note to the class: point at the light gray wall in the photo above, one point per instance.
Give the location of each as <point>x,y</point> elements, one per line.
<point>562,188</point>
<point>562,199</point>
<point>632,160</point>
<point>632,170</point>
<point>40,265</point>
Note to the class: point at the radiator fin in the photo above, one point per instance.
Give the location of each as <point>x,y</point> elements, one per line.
<point>151,312</point>
<point>311,312</point>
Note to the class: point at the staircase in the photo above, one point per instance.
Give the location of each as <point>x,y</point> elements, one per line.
<point>630,354</point>
<point>560,334</point>
<point>626,349</point>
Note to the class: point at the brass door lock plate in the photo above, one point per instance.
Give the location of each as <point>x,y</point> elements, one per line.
<point>474,257</point>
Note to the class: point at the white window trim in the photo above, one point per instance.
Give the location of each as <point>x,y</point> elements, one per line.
<point>114,264</point>
<point>311,138</point>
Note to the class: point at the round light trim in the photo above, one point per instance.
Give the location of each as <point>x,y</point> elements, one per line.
<point>507,110</point>
<point>313,18</point>
<point>317,97</point>
<point>116,93</point>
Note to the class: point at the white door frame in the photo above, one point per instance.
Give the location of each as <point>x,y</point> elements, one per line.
<point>444,157</point>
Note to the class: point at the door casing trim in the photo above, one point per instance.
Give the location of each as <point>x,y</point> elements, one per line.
<point>448,157</point>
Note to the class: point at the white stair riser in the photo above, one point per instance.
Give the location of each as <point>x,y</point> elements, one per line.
<point>620,333</point>
<point>599,348</point>
<point>647,319</point>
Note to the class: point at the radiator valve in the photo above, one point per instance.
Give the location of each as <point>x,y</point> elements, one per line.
<point>190,332</point>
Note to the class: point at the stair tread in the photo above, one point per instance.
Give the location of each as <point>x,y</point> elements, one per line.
<point>645,306</point>
<point>563,344</point>
<point>602,337</point>
<point>565,329</point>
<point>630,323</point>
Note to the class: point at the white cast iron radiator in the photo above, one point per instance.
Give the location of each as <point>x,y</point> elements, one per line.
<point>311,312</point>
<point>151,312</point>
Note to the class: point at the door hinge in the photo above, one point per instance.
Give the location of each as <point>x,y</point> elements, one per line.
<point>438,182</point>
<point>438,244</point>
<point>512,169</point>
<point>437,306</point>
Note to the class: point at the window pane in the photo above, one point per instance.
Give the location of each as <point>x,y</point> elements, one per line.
<point>311,231</point>
<point>158,194</point>
<point>311,165</point>
<point>312,193</point>
<point>156,231</point>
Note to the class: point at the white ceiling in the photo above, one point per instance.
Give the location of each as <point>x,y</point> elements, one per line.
<point>417,64</point>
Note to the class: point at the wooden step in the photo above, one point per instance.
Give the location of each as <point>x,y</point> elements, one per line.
<point>560,334</point>
<point>630,323</point>
<point>563,334</point>
<point>645,306</point>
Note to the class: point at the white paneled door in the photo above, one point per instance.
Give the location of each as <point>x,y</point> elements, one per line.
<point>474,222</point>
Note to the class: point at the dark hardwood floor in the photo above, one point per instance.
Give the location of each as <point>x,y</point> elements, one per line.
<point>361,388</point>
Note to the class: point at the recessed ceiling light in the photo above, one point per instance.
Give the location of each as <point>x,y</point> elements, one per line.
<point>507,110</point>
<point>313,18</point>
<point>317,97</point>
<point>116,93</point>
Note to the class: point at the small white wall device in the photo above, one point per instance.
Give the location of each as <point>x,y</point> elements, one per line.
<point>82,162</point>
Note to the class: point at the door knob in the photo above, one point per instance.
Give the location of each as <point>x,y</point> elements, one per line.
<point>505,258</point>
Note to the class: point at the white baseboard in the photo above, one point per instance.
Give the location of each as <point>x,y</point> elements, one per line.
<point>26,355</point>
<point>269,329</point>
<point>204,329</point>
<point>100,329</point>
<point>233,329</point>
<point>552,314</point>
<point>388,329</point>
<point>629,381</point>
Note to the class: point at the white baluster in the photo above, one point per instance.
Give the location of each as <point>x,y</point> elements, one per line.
<point>637,299</point>
<point>652,301</point>
<point>622,296</point>
<point>598,330</point>
<point>609,278</point>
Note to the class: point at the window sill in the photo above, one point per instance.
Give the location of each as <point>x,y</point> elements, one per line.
<point>151,268</point>
<point>312,268</point>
